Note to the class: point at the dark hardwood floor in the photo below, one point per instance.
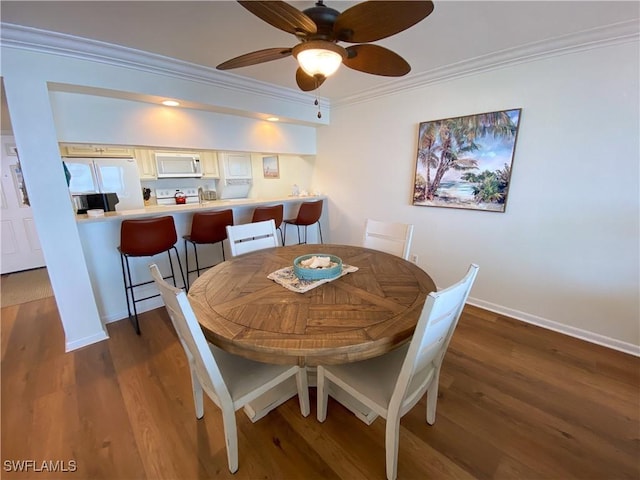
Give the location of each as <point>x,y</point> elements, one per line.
<point>516,401</point>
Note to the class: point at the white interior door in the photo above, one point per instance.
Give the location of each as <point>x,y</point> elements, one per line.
<point>20,244</point>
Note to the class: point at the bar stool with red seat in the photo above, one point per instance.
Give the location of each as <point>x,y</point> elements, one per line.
<point>146,238</point>
<point>206,228</point>
<point>270,212</point>
<point>308,214</point>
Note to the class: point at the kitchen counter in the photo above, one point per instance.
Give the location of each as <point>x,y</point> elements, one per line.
<point>100,237</point>
<point>154,210</point>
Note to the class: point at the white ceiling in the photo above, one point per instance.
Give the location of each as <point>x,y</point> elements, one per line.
<point>210,32</point>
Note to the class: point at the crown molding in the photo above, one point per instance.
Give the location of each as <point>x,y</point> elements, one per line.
<point>27,38</point>
<point>43,41</point>
<point>623,32</point>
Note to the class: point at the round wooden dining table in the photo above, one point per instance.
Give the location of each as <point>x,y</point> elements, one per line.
<point>359,315</point>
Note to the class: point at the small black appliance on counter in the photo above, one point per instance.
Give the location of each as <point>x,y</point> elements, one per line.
<point>90,201</point>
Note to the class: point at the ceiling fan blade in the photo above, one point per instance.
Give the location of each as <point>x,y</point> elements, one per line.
<point>307,82</point>
<point>254,58</point>
<point>376,60</point>
<point>371,21</point>
<point>281,15</point>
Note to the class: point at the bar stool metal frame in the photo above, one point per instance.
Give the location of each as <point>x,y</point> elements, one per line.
<point>206,228</point>
<point>270,212</point>
<point>308,214</point>
<point>146,238</point>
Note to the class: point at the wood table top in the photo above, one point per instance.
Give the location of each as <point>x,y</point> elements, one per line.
<point>357,316</point>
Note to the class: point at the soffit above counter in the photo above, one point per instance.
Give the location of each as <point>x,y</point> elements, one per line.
<point>211,90</point>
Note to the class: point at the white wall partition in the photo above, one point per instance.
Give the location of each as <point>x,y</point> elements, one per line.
<point>565,254</point>
<point>90,118</point>
<point>42,118</point>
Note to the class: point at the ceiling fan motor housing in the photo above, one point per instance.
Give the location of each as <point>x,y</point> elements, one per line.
<point>320,28</point>
<point>324,18</point>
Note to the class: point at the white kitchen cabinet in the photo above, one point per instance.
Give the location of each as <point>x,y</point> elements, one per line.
<point>236,165</point>
<point>84,150</point>
<point>209,163</point>
<point>146,163</point>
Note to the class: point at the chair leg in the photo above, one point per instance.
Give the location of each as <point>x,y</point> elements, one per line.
<point>298,227</point>
<point>303,391</point>
<point>184,283</point>
<point>136,323</point>
<point>432,398</point>
<point>124,280</point>
<point>231,438</point>
<point>198,397</point>
<point>320,231</point>
<point>195,251</point>
<point>392,436</point>
<point>323,395</point>
<point>186,262</point>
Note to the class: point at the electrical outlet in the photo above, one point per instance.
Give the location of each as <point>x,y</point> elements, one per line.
<point>414,258</point>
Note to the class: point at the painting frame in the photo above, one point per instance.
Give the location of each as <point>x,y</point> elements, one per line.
<point>466,162</point>
<point>271,167</point>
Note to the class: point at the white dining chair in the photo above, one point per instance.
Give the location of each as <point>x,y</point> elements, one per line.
<point>249,237</point>
<point>393,383</point>
<point>388,237</point>
<point>229,380</point>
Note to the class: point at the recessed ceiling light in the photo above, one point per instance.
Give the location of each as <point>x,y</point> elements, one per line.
<point>170,103</point>
<point>273,119</point>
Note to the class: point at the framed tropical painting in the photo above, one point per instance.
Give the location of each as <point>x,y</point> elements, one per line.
<point>465,162</point>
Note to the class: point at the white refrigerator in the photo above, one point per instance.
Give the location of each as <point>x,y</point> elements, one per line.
<point>105,175</point>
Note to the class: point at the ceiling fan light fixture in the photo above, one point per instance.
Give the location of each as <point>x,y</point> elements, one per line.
<point>319,57</point>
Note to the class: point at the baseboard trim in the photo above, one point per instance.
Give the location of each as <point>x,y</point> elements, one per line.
<point>142,307</point>
<point>85,341</point>
<point>492,307</point>
<point>559,327</point>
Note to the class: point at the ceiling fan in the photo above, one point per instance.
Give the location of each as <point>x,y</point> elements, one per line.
<point>320,28</point>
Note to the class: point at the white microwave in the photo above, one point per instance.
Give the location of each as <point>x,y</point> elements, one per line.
<point>178,165</point>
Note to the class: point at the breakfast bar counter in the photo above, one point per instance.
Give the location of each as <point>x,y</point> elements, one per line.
<point>100,238</point>
<point>236,203</point>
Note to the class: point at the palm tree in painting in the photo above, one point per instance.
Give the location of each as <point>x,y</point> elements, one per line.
<point>450,143</point>
<point>490,186</point>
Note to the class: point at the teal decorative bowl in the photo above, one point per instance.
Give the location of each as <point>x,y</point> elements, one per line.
<point>304,273</point>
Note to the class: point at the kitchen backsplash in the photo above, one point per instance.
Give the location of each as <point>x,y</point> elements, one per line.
<point>272,175</point>
<point>292,170</point>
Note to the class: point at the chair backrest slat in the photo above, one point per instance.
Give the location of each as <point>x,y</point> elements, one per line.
<point>250,237</point>
<point>394,238</point>
<point>192,339</point>
<point>431,339</point>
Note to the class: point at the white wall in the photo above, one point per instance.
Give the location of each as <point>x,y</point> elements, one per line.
<point>565,254</point>
<point>40,121</point>
<point>294,169</point>
<point>95,119</point>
